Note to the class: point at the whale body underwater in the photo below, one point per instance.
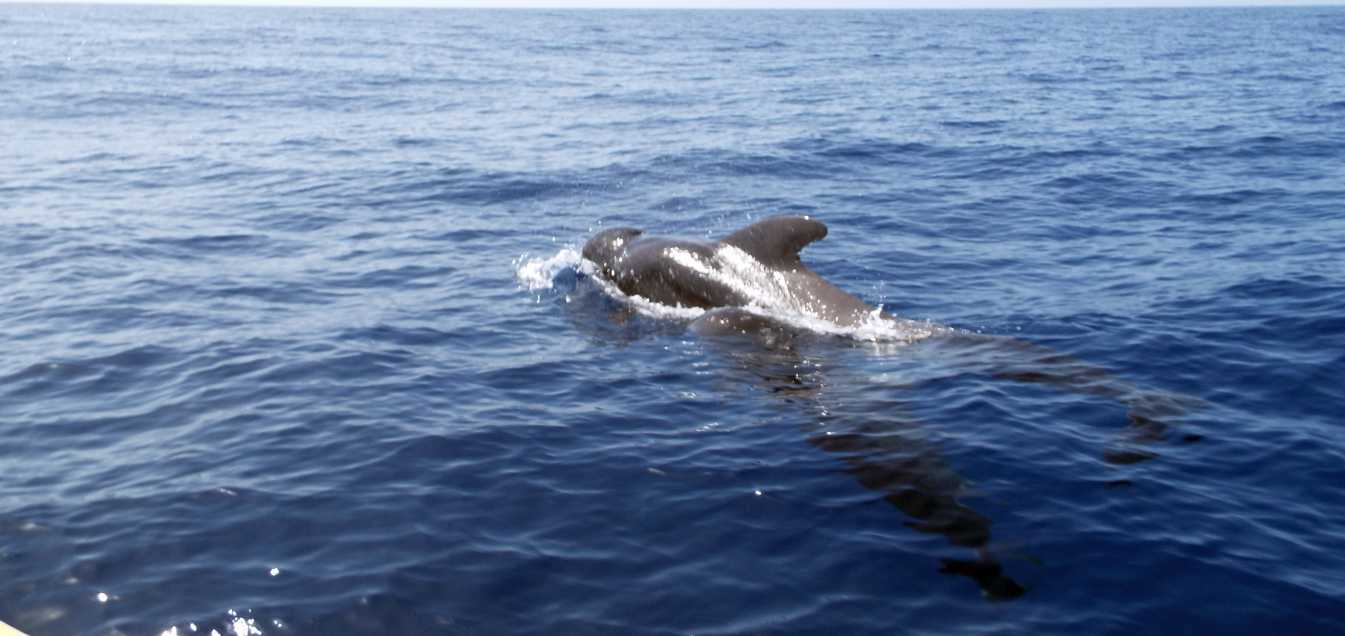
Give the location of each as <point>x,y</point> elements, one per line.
<point>754,283</point>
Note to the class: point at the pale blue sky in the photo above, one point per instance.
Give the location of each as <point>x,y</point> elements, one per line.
<point>750,4</point>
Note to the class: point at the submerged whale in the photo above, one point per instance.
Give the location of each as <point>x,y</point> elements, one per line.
<point>757,267</point>
<point>753,281</point>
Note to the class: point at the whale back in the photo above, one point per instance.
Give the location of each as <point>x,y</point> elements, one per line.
<point>776,241</point>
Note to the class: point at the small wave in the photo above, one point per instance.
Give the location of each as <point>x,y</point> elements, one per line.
<point>1266,139</point>
<point>1088,181</point>
<point>211,242</point>
<point>832,154</point>
<point>751,46</point>
<point>1230,197</point>
<point>101,375</point>
<point>974,124</point>
<point>470,187</point>
<point>678,203</point>
<point>115,102</point>
<point>1048,78</point>
<point>412,142</point>
<point>405,277</point>
<point>1285,77</point>
<point>1270,145</point>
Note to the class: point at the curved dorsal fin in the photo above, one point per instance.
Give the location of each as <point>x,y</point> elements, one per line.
<point>776,241</point>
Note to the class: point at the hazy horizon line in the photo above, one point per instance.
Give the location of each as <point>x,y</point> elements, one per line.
<point>814,5</point>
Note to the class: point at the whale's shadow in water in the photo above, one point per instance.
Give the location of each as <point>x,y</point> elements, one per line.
<point>880,444</point>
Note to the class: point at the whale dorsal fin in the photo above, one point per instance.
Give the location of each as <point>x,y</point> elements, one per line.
<point>776,241</point>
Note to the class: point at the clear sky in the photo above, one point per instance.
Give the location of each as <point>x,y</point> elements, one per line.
<point>750,4</point>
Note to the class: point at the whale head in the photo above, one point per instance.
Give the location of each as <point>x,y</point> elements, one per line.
<point>607,248</point>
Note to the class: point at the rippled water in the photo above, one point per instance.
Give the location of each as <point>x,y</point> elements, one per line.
<point>293,342</point>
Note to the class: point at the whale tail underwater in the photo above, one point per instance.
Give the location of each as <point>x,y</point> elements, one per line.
<point>753,284</point>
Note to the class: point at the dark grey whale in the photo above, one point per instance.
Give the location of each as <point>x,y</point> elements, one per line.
<point>748,280</point>
<point>758,265</point>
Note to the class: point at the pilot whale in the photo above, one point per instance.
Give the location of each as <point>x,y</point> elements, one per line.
<point>754,282</point>
<point>757,267</point>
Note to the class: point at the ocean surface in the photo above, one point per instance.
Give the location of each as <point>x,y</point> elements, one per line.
<point>294,336</point>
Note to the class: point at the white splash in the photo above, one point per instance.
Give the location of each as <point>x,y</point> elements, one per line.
<point>537,273</point>
<point>244,627</point>
<point>235,625</point>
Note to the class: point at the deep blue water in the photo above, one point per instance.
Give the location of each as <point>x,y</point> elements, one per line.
<point>290,333</point>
